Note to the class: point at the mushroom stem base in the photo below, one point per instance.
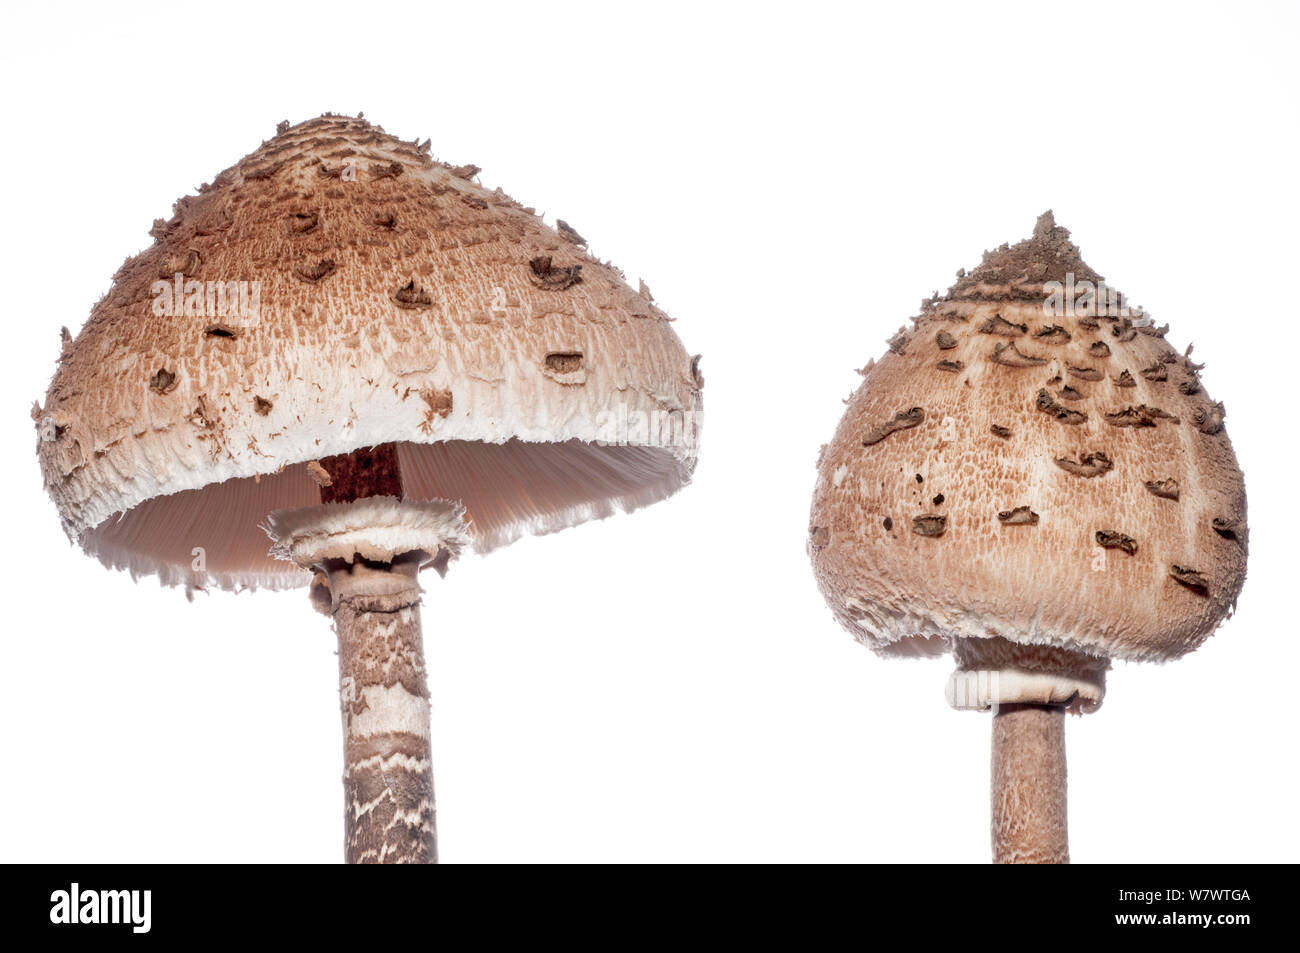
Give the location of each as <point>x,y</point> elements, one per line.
<point>389,814</point>
<point>1029,785</point>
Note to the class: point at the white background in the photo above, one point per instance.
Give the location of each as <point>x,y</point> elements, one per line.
<point>666,686</point>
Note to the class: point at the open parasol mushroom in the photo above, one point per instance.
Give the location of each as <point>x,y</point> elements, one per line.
<point>1032,479</point>
<point>360,351</point>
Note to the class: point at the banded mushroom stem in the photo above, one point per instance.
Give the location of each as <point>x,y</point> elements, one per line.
<point>389,812</point>
<point>1029,785</point>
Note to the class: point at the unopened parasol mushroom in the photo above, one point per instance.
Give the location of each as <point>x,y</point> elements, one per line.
<point>1032,479</point>
<point>362,352</point>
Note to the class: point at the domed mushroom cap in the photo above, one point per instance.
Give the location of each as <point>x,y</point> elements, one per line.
<point>1023,465</point>
<point>339,289</point>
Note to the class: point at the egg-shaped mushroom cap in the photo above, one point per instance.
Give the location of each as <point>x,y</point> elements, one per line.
<point>1024,465</point>
<point>339,289</point>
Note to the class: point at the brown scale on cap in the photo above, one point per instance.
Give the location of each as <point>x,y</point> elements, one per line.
<point>1110,539</point>
<point>1001,326</point>
<point>929,524</point>
<point>1043,401</point>
<point>1167,488</point>
<point>1084,373</point>
<point>903,420</point>
<point>1009,355</point>
<point>1088,464</point>
<point>1019,516</point>
<point>1131,452</point>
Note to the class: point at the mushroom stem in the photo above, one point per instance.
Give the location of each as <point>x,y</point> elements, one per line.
<point>1028,774</point>
<point>389,814</point>
<point>371,471</point>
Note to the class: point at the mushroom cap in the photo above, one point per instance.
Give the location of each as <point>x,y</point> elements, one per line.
<point>1017,468</point>
<point>386,298</point>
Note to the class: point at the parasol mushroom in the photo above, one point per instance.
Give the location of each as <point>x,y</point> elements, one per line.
<point>360,351</point>
<point>1034,480</point>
